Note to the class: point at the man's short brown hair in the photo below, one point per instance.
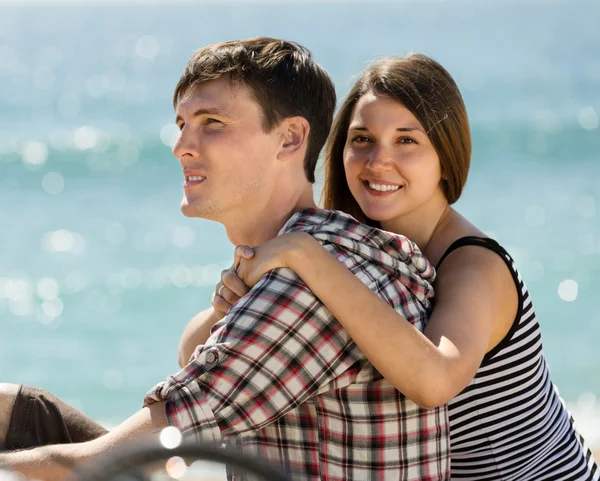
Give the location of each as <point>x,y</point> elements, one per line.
<point>283,77</point>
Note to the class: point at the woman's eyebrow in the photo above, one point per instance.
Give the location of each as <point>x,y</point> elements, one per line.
<point>399,129</point>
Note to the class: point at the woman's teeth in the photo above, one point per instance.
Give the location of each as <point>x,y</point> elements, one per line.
<point>195,177</point>
<point>383,187</point>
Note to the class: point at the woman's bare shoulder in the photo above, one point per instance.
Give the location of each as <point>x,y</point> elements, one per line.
<point>455,228</point>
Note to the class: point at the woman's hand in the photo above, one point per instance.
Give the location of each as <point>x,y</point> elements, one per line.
<point>251,264</point>
<point>281,251</point>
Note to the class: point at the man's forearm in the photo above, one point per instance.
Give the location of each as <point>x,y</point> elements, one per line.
<point>46,462</point>
<point>50,463</point>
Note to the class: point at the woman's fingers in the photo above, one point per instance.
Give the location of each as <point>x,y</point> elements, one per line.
<point>244,251</point>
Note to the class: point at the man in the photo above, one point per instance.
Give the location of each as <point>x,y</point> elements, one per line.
<point>278,377</point>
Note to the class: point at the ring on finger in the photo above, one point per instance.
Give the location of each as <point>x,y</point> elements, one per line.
<point>220,291</point>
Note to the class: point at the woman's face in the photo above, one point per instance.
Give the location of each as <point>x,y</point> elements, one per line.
<point>392,169</point>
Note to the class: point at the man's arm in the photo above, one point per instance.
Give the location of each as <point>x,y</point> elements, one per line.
<point>196,333</point>
<point>228,291</point>
<point>276,347</point>
<point>50,463</point>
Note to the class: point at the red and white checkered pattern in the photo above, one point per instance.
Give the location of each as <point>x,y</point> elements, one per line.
<point>280,377</point>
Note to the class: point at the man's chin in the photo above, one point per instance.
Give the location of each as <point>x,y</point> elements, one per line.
<point>187,213</point>
<point>192,210</point>
<point>189,210</point>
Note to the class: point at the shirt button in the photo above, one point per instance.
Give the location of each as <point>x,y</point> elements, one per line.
<point>211,357</point>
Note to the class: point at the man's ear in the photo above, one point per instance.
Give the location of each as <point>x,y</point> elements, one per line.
<point>294,132</point>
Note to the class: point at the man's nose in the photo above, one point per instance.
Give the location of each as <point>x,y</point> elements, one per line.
<point>185,145</point>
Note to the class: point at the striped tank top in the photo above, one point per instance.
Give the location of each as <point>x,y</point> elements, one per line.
<point>510,423</point>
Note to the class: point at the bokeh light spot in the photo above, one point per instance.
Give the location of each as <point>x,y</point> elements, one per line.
<point>170,437</point>
<point>53,183</point>
<point>169,134</point>
<point>175,467</point>
<point>63,240</point>
<point>147,47</point>
<point>183,236</point>
<point>588,118</point>
<point>11,476</point>
<point>181,276</point>
<point>35,153</point>
<point>47,288</point>
<point>131,278</point>
<point>567,290</point>
<point>53,307</point>
<point>21,307</point>
<point>85,138</point>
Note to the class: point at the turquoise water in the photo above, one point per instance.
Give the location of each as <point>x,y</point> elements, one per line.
<point>100,271</point>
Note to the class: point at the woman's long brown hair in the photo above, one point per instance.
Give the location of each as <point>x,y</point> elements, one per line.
<point>425,88</point>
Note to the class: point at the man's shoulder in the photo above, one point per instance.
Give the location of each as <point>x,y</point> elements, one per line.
<point>315,219</point>
<point>343,233</point>
<point>367,250</point>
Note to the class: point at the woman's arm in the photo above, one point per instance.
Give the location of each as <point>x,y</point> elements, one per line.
<point>475,300</point>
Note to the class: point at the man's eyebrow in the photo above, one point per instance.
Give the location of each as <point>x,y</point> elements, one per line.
<point>362,128</point>
<point>202,111</point>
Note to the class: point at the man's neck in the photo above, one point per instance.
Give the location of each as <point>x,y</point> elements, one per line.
<point>259,227</point>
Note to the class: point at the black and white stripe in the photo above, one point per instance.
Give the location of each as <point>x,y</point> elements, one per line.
<point>510,423</point>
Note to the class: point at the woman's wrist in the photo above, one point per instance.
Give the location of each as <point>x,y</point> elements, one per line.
<point>302,249</point>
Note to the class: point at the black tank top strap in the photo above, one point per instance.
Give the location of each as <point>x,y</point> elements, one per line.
<point>505,256</point>
<point>473,241</point>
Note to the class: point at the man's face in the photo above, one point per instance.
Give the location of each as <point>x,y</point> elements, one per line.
<point>228,161</point>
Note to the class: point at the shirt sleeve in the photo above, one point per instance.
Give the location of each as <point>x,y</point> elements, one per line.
<point>275,348</point>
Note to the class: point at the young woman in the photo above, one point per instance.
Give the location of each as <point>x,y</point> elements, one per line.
<point>398,158</point>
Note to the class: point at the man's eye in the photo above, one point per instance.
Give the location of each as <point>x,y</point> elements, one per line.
<point>213,121</point>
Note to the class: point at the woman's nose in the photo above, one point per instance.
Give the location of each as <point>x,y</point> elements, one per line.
<point>379,158</point>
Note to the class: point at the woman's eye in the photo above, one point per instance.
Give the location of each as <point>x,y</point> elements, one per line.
<point>407,140</point>
<point>360,139</point>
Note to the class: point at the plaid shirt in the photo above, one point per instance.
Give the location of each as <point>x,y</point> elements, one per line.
<point>281,378</point>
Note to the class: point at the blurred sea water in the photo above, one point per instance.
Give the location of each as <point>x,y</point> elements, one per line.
<point>99,270</point>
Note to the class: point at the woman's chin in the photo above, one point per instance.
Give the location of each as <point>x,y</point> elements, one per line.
<point>377,215</point>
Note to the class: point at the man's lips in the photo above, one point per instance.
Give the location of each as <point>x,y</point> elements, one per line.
<point>193,180</point>
<point>192,177</point>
